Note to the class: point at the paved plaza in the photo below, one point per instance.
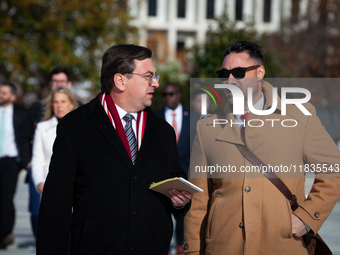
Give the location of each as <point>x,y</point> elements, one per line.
<point>25,244</point>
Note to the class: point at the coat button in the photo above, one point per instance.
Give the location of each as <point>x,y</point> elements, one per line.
<point>131,247</point>
<point>316,215</point>
<point>241,225</point>
<point>247,189</point>
<point>185,247</point>
<point>133,213</point>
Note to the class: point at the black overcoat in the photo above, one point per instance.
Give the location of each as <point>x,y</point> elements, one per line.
<point>96,198</point>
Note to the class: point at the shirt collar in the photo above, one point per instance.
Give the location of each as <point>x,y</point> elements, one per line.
<point>178,110</point>
<point>260,104</point>
<point>8,109</point>
<point>122,113</point>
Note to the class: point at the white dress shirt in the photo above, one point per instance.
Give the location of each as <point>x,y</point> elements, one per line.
<point>44,137</point>
<point>122,113</point>
<point>9,146</point>
<point>178,118</point>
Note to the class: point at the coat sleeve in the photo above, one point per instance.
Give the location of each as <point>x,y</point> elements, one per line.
<point>196,219</point>
<point>178,171</point>
<point>320,151</point>
<point>56,205</point>
<point>38,158</point>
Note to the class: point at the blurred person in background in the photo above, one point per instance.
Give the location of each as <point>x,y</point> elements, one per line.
<point>196,110</point>
<point>58,77</point>
<point>59,103</point>
<point>14,156</point>
<point>196,101</point>
<point>179,118</point>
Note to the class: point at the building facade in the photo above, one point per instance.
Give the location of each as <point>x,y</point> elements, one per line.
<point>170,26</point>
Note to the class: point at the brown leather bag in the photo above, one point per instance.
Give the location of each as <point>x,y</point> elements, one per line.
<point>314,244</point>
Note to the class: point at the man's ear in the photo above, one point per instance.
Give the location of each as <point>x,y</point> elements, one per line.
<point>261,72</point>
<point>69,84</point>
<point>119,81</point>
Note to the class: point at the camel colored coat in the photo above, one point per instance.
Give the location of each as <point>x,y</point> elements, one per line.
<point>243,212</point>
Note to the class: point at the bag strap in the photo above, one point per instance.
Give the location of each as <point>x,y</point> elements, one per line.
<point>271,176</point>
<point>279,184</point>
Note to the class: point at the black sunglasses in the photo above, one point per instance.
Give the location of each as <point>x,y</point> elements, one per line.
<point>169,94</point>
<point>238,72</point>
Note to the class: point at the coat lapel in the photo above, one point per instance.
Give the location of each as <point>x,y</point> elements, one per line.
<point>233,134</point>
<point>149,139</point>
<point>230,134</point>
<point>185,132</point>
<point>51,123</point>
<point>102,122</point>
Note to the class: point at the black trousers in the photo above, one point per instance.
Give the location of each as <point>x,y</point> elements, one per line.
<point>9,170</point>
<point>180,232</point>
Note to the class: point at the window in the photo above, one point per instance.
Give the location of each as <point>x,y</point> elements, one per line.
<point>180,46</point>
<point>239,10</point>
<point>181,8</point>
<point>210,9</point>
<point>180,51</point>
<point>266,13</point>
<point>152,8</point>
<point>295,10</point>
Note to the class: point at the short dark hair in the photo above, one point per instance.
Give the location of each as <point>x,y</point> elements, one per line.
<point>12,85</point>
<point>172,84</point>
<point>60,69</point>
<point>120,59</point>
<point>253,49</point>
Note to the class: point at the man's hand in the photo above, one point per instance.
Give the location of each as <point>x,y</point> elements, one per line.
<point>298,228</point>
<point>41,187</point>
<point>179,199</point>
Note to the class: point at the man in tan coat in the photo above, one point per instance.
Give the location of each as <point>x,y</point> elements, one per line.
<point>242,212</point>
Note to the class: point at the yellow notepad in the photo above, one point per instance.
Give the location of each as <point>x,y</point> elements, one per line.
<point>178,183</point>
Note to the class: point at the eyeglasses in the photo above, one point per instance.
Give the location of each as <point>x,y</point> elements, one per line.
<point>151,77</point>
<point>59,81</point>
<point>168,94</point>
<point>238,72</point>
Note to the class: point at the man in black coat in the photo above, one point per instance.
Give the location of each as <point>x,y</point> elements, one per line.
<point>14,156</point>
<point>105,156</point>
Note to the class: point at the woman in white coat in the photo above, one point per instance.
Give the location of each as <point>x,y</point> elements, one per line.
<point>60,102</point>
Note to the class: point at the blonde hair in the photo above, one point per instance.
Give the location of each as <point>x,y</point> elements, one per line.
<point>48,102</point>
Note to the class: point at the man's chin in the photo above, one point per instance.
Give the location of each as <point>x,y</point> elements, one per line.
<point>147,104</point>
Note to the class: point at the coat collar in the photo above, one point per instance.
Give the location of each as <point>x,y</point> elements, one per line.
<point>267,90</point>
<point>100,119</point>
<point>233,134</point>
<point>51,123</point>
